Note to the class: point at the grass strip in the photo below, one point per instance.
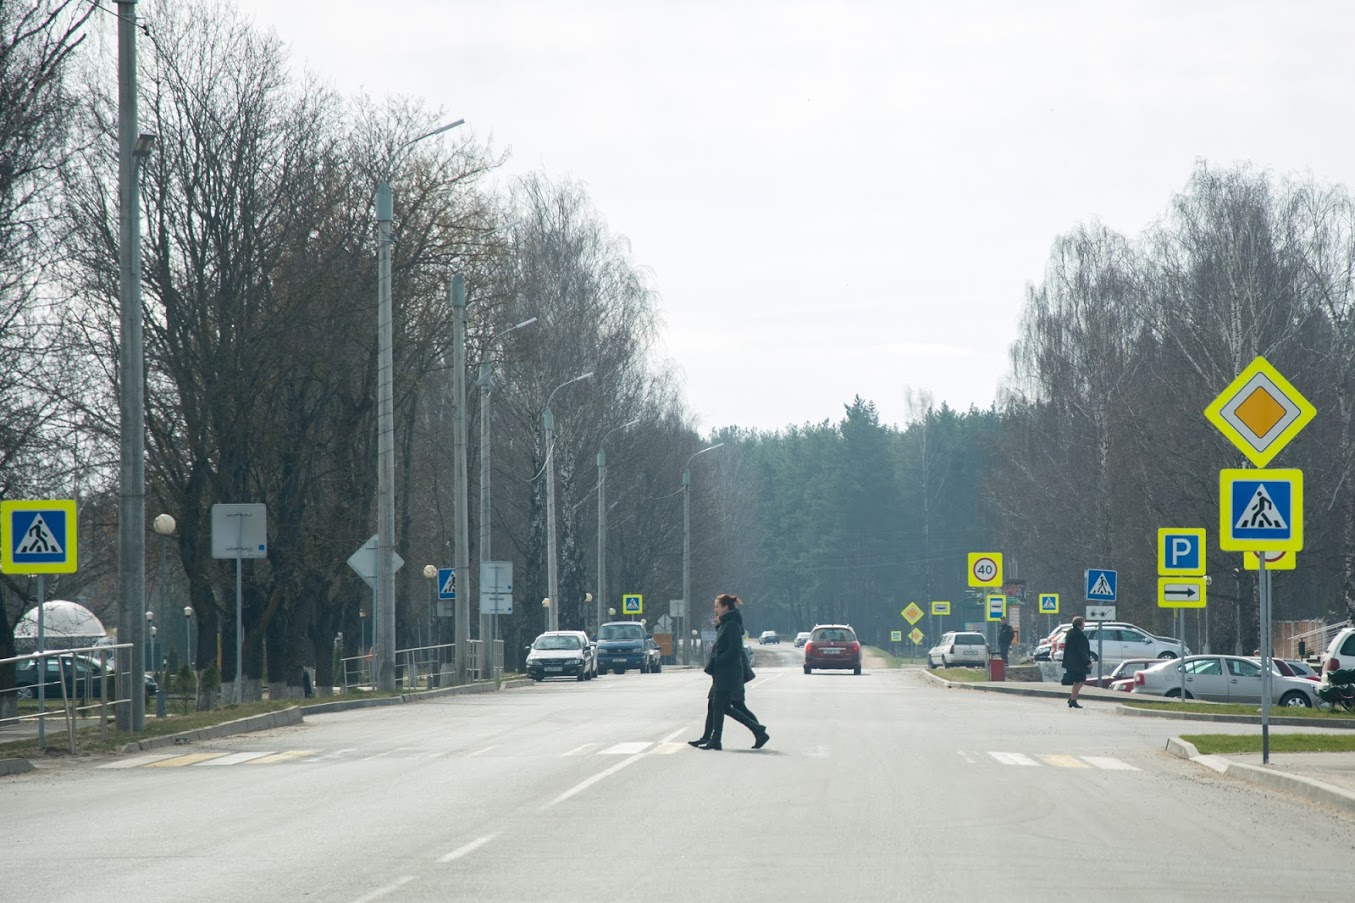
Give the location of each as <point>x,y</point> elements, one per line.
<point>961,675</point>
<point>1225,708</point>
<point>1223,744</point>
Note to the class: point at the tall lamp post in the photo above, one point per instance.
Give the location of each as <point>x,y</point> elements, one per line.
<point>687,532</point>
<point>485,380</point>
<point>602,516</point>
<point>430,572</point>
<point>188,650</point>
<point>384,609</point>
<point>552,570</point>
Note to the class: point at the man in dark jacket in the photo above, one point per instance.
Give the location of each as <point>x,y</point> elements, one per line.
<point>1004,639</point>
<point>726,670</point>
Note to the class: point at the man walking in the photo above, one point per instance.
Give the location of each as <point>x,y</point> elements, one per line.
<point>1004,639</point>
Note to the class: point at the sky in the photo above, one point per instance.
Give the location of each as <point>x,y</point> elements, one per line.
<point>833,199</point>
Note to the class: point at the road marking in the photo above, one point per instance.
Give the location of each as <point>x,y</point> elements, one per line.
<point>817,752</point>
<point>140,760</point>
<point>1014,759</point>
<point>607,772</point>
<point>1064,761</point>
<point>626,749</point>
<point>334,755</point>
<point>180,761</point>
<point>286,756</point>
<point>388,889</point>
<point>1109,764</point>
<point>580,750</point>
<point>667,749</point>
<point>467,849</point>
<point>389,752</point>
<point>967,757</point>
<point>479,751</point>
<point>232,759</point>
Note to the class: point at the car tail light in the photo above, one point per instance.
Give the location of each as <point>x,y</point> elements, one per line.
<point>856,647</point>
<point>809,647</point>
<point>1138,678</point>
<point>1331,665</point>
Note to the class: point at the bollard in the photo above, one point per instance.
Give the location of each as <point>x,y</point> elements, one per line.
<point>997,668</point>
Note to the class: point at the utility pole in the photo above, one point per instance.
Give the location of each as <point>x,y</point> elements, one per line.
<point>131,397</point>
<point>462,481</point>
<point>552,573</point>
<point>602,534</point>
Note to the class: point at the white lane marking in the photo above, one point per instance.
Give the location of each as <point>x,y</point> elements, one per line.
<point>667,749</point>
<point>967,757</point>
<point>626,749</point>
<point>607,772</point>
<point>1108,763</point>
<point>817,752</point>
<point>232,759</point>
<point>141,760</point>
<point>389,752</point>
<point>1061,761</point>
<point>466,849</point>
<point>1014,759</point>
<point>480,751</point>
<point>761,681</point>
<point>580,750</point>
<point>334,755</point>
<point>388,889</point>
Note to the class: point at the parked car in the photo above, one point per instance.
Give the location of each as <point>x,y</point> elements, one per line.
<point>801,638</point>
<point>959,648</point>
<point>558,653</point>
<point>1223,678</point>
<point>653,658</point>
<point>1119,640</point>
<point>1340,652</point>
<point>833,646</point>
<point>621,647</point>
<point>590,650</point>
<point>81,674</point>
<point>1124,672</point>
<point>768,637</point>
<point>1301,669</point>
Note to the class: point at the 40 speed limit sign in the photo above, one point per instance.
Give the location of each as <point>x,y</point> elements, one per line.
<point>985,568</point>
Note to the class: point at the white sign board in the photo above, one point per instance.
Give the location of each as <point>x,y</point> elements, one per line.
<point>677,608</point>
<point>363,561</point>
<point>496,587</point>
<point>1100,612</point>
<point>240,531</point>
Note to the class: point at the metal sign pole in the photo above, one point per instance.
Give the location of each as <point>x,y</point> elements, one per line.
<point>1181,661</point>
<point>1264,578</point>
<point>239,609</point>
<point>42,665</point>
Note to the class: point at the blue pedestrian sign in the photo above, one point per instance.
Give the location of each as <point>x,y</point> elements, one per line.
<point>446,583</point>
<point>1180,551</point>
<point>1101,585</point>
<point>39,537</point>
<point>1261,510</point>
<point>632,604</point>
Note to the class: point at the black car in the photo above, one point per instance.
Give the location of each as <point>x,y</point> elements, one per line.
<point>621,647</point>
<point>653,657</point>
<point>82,676</point>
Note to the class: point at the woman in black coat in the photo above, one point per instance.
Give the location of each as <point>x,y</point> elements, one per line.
<point>1077,660</point>
<point>726,668</point>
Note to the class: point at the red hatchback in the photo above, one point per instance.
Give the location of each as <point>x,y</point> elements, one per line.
<point>833,646</point>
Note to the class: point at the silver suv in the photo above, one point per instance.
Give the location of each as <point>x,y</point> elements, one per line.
<point>1120,640</point>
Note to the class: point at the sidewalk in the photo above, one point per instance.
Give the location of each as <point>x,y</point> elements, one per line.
<point>1327,778</point>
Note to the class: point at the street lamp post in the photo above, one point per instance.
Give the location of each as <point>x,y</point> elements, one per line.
<point>384,609</point>
<point>430,572</point>
<point>602,516</point>
<point>488,627</point>
<point>188,650</point>
<point>687,531</point>
<point>552,569</point>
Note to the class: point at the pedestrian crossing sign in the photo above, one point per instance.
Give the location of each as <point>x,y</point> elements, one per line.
<point>446,583</point>
<point>1260,510</point>
<point>38,536</point>
<point>896,636</point>
<point>1101,584</point>
<point>1049,603</point>
<point>632,604</point>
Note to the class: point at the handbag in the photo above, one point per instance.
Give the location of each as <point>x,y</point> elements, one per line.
<point>747,671</point>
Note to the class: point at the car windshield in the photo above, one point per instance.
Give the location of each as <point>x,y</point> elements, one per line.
<point>557,642</point>
<point>622,632</point>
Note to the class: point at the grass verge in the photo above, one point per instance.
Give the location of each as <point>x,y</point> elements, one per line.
<point>1222,744</point>
<point>970,675</point>
<point>892,661</point>
<point>1223,708</point>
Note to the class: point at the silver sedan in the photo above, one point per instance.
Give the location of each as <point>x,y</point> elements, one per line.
<point>1223,678</point>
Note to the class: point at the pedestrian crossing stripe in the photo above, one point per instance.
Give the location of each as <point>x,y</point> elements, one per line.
<point>1105,763</point>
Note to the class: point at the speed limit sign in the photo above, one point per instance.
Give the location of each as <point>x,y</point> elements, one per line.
<point>985,568</point>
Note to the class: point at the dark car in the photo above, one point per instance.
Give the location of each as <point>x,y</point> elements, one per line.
<point>82,676</point>
<point>833,646</point>
<point>621,647</point>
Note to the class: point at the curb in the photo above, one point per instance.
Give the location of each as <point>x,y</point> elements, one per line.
<point>282,718</point>
<point>15,766</point>
<point>1309,788</point>
<point>1339,723</point>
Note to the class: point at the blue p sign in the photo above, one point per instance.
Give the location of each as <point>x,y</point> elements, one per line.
<point>1180,551</point>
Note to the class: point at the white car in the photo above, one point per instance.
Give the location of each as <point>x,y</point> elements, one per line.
<point>801,638</point>
<point>1119,640</point>
<point>959,648</point>
<point>1340,652</point>
<point>1223,678</point>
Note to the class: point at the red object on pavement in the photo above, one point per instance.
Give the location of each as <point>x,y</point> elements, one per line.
<point>997,668</point>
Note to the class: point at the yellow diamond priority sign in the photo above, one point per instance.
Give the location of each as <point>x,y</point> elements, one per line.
<point>912,613</point>
<point>1260,412</point>
<point>915,636</point>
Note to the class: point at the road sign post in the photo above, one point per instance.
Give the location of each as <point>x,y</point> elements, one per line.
<point>239,532</point>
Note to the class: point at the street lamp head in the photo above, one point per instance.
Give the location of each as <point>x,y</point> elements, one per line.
<point>611,612</point>
<point>154,630</point>
<point>545,603</point>
<point>430,571</point>
<point>588,597</point>
<point>164,524</point>
<point>188,611</point>
<point>145,143</point>
<point>150,616</point>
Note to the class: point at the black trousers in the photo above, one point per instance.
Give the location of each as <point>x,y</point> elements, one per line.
<point>721,704</point>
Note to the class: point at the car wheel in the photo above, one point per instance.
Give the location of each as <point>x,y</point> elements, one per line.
<point>808,669</point>
<point>658,669</point>
<point>1167,655</point>
<point>1295,699</point>
<point>582,677</point>
<point>856,670</point>
<point>25,693</point>
<point>537,679</point>
<point>1176,694</point>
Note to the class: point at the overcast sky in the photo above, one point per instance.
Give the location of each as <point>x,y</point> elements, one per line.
<point>843,198</point>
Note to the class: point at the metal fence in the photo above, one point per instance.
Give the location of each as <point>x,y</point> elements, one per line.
<point>423,667</point>
<point>82,676</point>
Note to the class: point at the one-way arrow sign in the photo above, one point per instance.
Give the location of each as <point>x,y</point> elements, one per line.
<point>1180,592</point>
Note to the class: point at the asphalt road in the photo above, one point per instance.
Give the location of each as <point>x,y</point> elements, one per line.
<point>880,786</point>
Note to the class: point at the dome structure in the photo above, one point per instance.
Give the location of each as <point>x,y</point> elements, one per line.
<point>66,625</point>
